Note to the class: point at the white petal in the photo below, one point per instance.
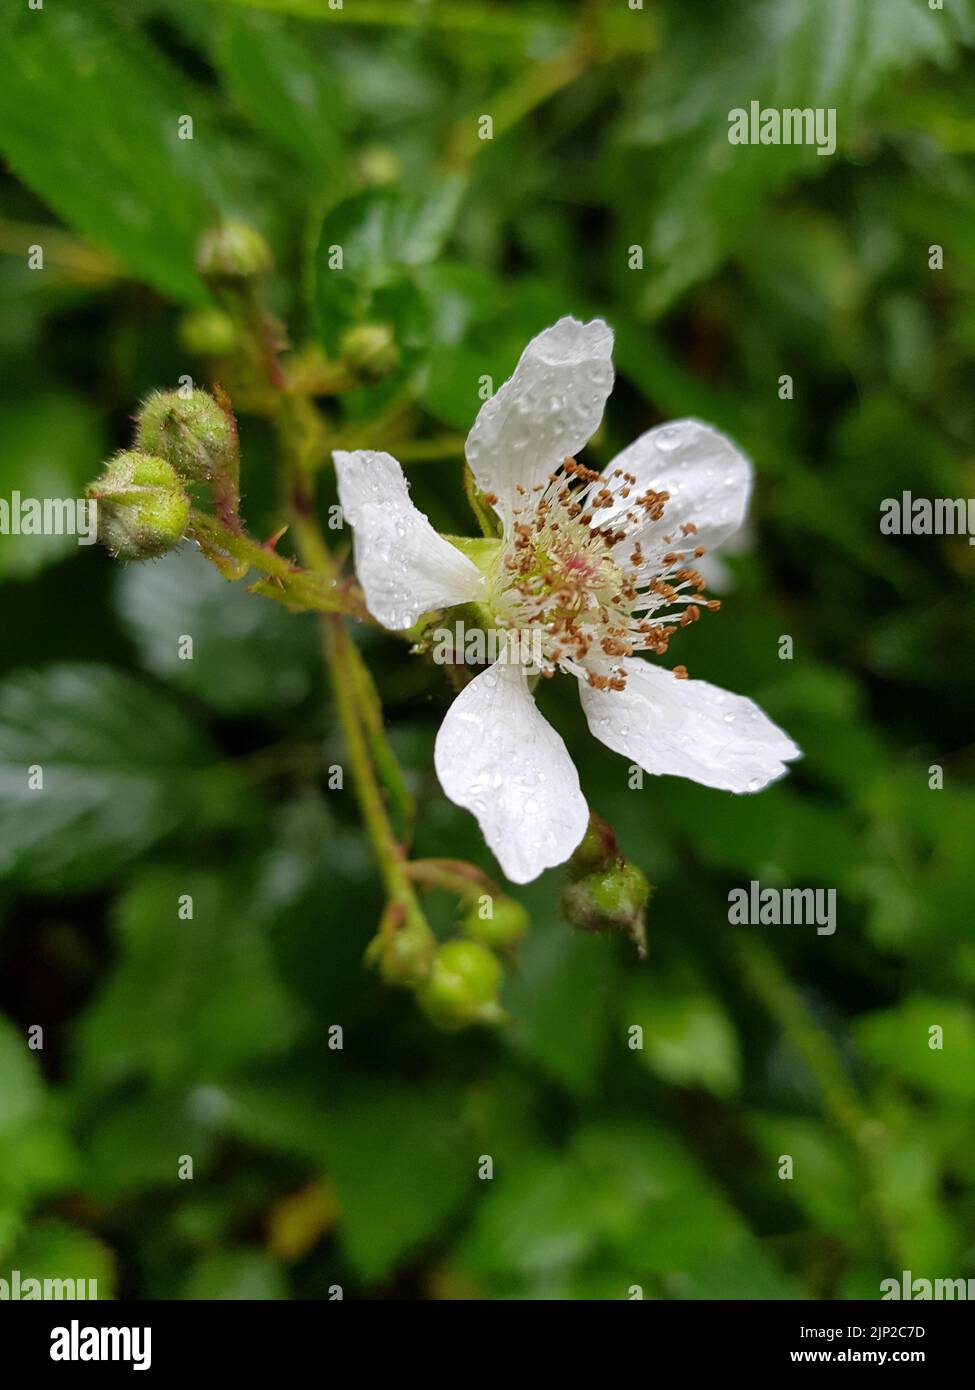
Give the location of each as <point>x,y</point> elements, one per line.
<point>708,478</point>
<point>545,412</point>
<point>405,568</point>
<point>496,756</point>
<point>688,728</point>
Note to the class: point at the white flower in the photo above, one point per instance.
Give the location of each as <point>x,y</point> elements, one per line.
<point>603,565</point>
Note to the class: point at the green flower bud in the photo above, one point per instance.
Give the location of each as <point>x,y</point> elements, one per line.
<point>232,252</point>
<point>613,898</point>
<point>503,930</point>
<point>369,350</point>
<point>403,951</point>
<point>208,333</point>
<point>597,850</point>
<point>143,508</point>
<point>193,434</point>
<point>378,165</point>
<point>462,986</point>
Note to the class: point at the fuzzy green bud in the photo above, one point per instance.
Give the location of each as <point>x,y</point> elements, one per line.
<point>369,350</point>
<point>143,508</point>
<point>208,333</point>
<point>462,987</point>
<point>612,898</point>
<point>502,930</point>
<point>232,252</point>
<point>193,434</point>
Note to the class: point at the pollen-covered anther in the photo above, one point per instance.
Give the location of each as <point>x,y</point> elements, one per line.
<point>596,595</point>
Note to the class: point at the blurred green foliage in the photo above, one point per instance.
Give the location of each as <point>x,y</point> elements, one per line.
<point>214,1037</point>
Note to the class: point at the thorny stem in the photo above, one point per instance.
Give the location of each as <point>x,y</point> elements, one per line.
<point>300,431</point>
<point>387,848</point>
<point>357,706</point>
<point>233,551</point>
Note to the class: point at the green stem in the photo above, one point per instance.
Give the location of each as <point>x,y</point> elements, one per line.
<point>358,716</point>
<point>441,446</point>
<point>485,518</point>
<point>515,101</point>
<point>454,876</point>
<point>235,553</point>
<point>64,251</point>
<point>298,430</point>
<point>504,21</point>
<point>769,982</point>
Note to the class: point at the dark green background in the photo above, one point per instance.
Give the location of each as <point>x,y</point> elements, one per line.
<point>613,1167</point>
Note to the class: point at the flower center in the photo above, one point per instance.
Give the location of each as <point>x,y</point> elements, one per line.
<point>594,567</point>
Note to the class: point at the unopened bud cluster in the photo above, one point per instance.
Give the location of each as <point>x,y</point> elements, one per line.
<point>457,982</point>
<point>142,495</point>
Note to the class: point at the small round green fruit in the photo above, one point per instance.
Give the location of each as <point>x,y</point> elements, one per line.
<point>503,930</point>
<point>462,986</point>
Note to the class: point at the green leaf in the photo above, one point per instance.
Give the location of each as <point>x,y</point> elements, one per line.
<point>393,1196</point>
<point>54,1250</point>
<point>35,1158</point>
<point>783,54</point>
<point>481,20</point>
<point>775,836</point>
<point>210,999</point>
<point>133,1141</point>
<point>899,1040</point>
<point>89,117</point>
<point>688,1039</point>
<point>121,768</point>
<point>52,447</point>
<point>628,1195</point>
<point>241,1274</point>
<point>824,1184</point>
<point>310,861</point>
<point>22,1093</point>
<point>247,654</point>
<point>560,997</point>
<point>282,1114</point>
<point>289,89</point>
<point>385,236</point>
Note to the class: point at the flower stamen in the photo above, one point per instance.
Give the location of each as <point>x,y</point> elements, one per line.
<point>564,572</point>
